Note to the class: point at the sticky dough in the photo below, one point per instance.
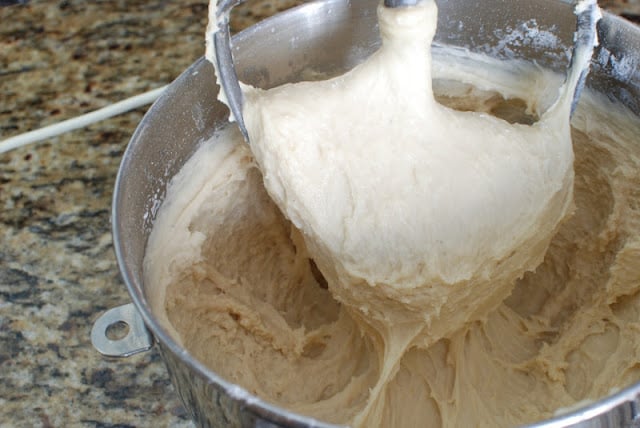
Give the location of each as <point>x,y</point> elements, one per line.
<point>420,217</point>
<point>403,284</point>
<point>410,208</point>
<point>243,296</point>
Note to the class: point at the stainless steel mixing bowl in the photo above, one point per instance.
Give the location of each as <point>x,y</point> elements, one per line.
<point>326,36</point>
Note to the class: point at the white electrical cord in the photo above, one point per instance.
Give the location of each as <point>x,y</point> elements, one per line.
<point>80,121</point>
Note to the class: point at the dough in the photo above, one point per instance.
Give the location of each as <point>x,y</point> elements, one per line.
<point>420,217</point>
<point>407,290</point>
<point>243,296</point>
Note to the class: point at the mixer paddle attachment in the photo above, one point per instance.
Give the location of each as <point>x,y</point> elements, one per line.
<point>586,38</point>
<point>223,62</point>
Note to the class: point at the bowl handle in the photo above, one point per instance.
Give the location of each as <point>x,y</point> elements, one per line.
<point>136,339</point>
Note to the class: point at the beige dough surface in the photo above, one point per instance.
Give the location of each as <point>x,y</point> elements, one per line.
<point>411,210</point>
<point>243,296</point>
<point>355,313</point>
<point>419,216</point>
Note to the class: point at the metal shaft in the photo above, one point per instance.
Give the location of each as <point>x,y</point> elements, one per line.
<point>400,3</point>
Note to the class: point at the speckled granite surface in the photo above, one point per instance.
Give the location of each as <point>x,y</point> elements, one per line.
<point>57,267</point>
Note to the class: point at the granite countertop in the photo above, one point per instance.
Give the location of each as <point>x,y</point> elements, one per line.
<point>57,268</point>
